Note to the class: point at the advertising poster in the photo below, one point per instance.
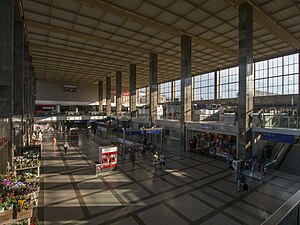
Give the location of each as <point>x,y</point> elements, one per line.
<point>108,156</point>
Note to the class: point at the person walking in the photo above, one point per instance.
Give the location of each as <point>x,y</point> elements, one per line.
<point>132,158</point>
<point>240,181</point>
<point>155,158</point>
<point>54,142</point>
<point>162,160</point>
<point>66,146</point>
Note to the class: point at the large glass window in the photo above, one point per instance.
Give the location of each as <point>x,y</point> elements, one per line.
<point>229,83</point>
<point>204,87</point>
<point>142,97</point>
<point>177,90</point>
<point>165,94</point>
<point>278,76</point>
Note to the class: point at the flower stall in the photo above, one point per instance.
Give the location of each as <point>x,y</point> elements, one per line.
<point>27,165</point>
<point>17,197</point>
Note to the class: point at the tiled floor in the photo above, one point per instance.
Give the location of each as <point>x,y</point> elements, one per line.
<point>191,189</point>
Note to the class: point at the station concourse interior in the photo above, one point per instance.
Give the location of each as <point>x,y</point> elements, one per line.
<point>147,112</point>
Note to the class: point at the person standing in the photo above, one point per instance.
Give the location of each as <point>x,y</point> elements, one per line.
<point>236,117</point>
<point>132,158</point>
<point>155,158</point>
<point>54,142</point>
<point>162,160</point>
<point>240,181</point>
<point>66,146</point>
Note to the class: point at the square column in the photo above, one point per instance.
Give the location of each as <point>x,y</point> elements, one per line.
<point>298,103</point>
<point>100,95</point>
<point>18,69</point>
<point>246,80</point>
<point>132,88</point>
<point>119,93</point>
<point>186,86</point>
<point>6,57</point>
<point>108,96</point>
<point>26,79</point>
<point>153,86</point>
<point>30,88</point>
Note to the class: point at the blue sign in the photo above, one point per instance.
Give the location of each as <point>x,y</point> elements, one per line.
<point>134,132</point>
<point>138,132</point>
<point>152,131</point>
<point>278,137</point>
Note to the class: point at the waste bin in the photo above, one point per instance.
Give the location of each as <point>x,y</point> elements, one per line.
<point>98,168</point>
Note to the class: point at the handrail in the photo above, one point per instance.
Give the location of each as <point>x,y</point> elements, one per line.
<point>280,214</point>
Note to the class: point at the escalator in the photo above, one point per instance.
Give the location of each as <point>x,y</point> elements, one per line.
<point>291,162</point>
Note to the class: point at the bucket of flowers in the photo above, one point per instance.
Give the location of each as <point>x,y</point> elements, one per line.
<point>5,212</point>
<point>23,207</point>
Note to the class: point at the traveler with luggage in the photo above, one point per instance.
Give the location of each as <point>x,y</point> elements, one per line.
<point>241,183</point>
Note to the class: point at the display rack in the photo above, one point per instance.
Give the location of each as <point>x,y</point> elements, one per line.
<point>29,168</point>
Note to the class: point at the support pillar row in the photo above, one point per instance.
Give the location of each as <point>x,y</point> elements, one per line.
<point>18,69</point>
<point>119,93</point>
<point>246,80</point>
<point>186,86</point>
<point>108,96</point>
<point>153,87</point>
<point>132,89</point>
<point>6,57</point>
<point>100,95</point>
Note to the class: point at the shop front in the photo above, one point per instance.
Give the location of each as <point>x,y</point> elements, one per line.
<point>213,140</point>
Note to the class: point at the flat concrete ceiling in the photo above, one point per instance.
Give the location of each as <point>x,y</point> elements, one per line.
<point>83,41</point>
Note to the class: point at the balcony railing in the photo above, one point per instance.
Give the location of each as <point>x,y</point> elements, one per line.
<point>288,213</point>
<point>276,121</point>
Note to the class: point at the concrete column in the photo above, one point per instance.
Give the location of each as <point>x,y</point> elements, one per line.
<point>217,91</point>
<point>132,88</point>
<point>153,86</point>
<point>30,88</point>
<point>108,96</point>
<point>18,69</point>
<point>119,93</point>
<point>26,77</point>
<point>246,79</point>
<point>100,95</point>
<point>6,57</point>
<point>186,85</point>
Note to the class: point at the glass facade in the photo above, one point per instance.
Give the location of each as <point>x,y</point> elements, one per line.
<point>165,92</point>
<point>177,90</point>
<point>142,97</point>
<point>278,76</point>
<point>204,87</point>
<point>229,83</point>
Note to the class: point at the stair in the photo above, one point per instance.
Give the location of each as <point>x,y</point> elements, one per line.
<point>259,146</point>
<point>291,163</point>
<point>277,147</point>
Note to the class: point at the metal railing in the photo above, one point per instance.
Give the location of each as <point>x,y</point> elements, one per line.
<point>276,121</point>
<point>287,214</point>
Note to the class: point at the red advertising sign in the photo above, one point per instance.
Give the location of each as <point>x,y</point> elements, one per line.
<point>108,157</point>
<point>74,132</point>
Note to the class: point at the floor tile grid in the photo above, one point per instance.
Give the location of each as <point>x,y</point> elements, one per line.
<point>142,210</point>
<point>163,197</point>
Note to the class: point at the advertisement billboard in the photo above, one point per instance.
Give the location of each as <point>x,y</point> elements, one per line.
<point>108,157</point>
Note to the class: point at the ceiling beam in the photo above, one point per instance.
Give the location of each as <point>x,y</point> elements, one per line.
<point>121,12</point>
<point>265,20</point>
